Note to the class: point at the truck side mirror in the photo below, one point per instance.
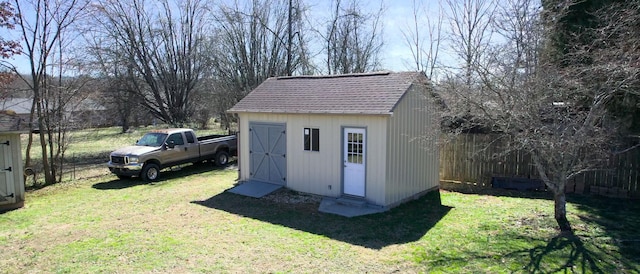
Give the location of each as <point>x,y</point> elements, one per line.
<point>171,144</point>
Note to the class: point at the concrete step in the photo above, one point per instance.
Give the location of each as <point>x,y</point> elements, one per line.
<point>354,202</point>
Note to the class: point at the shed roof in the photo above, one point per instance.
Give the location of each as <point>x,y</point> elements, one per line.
<point>11,122</point>
<point>361,93</point>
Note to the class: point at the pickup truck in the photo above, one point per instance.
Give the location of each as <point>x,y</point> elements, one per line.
<point>165,148</point>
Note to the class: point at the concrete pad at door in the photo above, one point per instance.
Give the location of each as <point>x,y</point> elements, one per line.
<point>254,189</point>
<point>348,209</point>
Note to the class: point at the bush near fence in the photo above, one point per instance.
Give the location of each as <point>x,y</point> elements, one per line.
<point>475,158</point>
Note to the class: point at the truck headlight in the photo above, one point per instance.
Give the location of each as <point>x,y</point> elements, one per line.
<point>133,159</point>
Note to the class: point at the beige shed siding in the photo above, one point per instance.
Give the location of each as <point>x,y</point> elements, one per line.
<point>313,172</point>
<point>17,167</point>
<point>413,164</point>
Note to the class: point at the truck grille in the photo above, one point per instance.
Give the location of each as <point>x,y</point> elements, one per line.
<point>117,160</point>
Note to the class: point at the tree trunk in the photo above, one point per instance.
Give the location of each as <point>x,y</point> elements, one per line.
<point>560,212</point>
<point>559,197</point>
<point>125,123</point>
<point>48,178</point>
<point>27,156</point>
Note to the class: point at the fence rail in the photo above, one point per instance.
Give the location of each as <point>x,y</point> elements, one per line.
<point>475,158</point>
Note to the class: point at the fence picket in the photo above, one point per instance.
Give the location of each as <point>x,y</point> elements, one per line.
<point>472,158</point>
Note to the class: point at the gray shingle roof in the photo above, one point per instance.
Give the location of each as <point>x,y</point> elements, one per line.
<point>10,121</point>
<point>363,93</point>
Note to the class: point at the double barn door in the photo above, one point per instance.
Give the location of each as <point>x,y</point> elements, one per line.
<point>268,147</point>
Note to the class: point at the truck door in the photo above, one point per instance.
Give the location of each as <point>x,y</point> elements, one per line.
<point>192,149</point>
<point>175,152</point>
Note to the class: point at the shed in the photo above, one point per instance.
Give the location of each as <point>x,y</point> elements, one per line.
<point>11,166</point>
<point>368,136</point>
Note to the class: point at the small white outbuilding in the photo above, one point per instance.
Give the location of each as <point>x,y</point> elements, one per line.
<point>369,136</point>
<point>11,166</point>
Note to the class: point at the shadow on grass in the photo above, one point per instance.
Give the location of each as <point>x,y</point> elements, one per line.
<point>4,210</point>
<point>574,255</point>
<point>468,188</point>
<point>403,224</point>
<point>618,218</point>
<point>561,254</point>
<point>165,175</point>
<point>603,221</point>
<point>118,184</point>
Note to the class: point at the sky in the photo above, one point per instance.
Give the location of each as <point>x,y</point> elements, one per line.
<point>397,17</point>
<point>398,14</point>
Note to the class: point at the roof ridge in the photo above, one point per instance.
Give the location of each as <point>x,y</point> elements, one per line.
<point>374,93</point>
<point>363,74</point>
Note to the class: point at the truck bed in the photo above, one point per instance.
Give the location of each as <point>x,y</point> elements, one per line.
<point>214,136</point>
<point>210,144</point>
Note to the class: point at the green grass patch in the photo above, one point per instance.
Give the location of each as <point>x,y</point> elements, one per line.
<point>188,223</point>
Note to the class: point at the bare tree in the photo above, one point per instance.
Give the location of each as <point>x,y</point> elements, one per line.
<point>42,25</point>
<point>424,50</point>
<point>163,46</point>
<point>557,114</point>
<point>470,34</point>
<point>263,39</point>
<point>352,39</point>
<point>117,92</point>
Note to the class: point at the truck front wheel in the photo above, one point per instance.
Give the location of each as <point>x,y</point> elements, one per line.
<point>222,158</point>
<point>150,172</point>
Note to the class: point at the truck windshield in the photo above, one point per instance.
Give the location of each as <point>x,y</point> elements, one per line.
<point>152,139</point>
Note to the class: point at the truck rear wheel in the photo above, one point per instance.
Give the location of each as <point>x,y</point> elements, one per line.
<point>150,172</point>
<point>222,158</point>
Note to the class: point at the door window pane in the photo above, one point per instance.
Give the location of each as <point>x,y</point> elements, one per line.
<point>355,146</point>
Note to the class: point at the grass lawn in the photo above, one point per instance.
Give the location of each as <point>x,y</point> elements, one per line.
<point>188,223</point>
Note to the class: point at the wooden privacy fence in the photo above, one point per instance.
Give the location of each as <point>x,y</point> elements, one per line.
<point>472,158</point>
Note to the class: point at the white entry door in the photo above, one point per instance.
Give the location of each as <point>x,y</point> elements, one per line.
<point>7,195</point>
<point>354,152</point>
